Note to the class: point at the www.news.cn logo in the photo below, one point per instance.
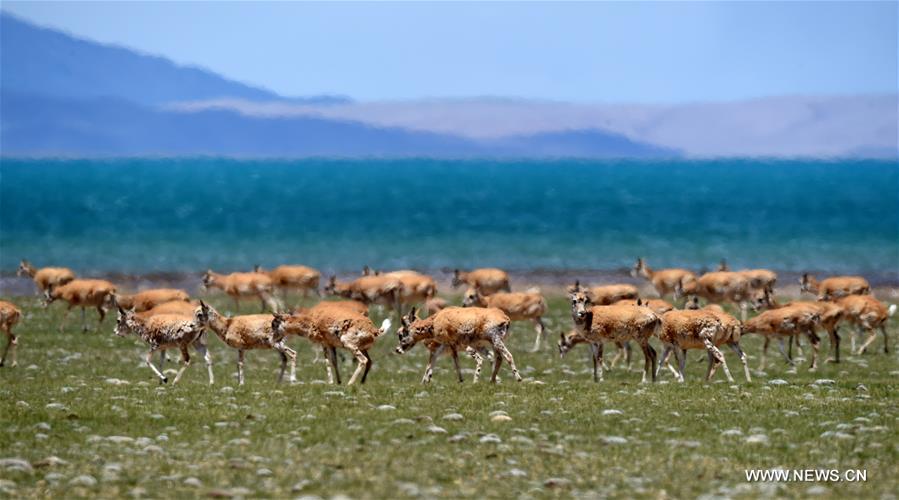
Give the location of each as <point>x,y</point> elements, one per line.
<point>806,475</point>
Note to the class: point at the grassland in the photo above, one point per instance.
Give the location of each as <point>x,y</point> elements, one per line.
<point>88,400</point>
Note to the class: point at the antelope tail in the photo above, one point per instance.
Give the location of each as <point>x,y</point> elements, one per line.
<point>892,310</point>
<point>385,327</point>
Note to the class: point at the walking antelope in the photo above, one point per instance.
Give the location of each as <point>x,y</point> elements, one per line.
<point>600,324</point>
<point>244,333</point>
<point>46,277</point>
<point>381,290</point>
<point>868,313</point>
<point>834,287</point>
<point>165,331</point>
<point>759,279</point>
<point>519,306</point>
<point>9,316</point>
<point>605,295</point>
<point>82,293</point>
<point>830,316</point>
<point>238,285</point>
<point>332,328</point>
<point>665,281</point>
<point>786,321</point>
<point>148,299</point>
<point>487,280</point>
<point>467,328</point>
<point>300,278</point>
<point>720,287</point>
<point>693,329</point>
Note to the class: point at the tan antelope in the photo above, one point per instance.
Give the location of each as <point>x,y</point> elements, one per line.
<point>332,328</point>
<point>9,317</point>
<point>417,288</point>
<point>248,332</point>
<point>519,306</point>
<point>381,290</point>
<point>46,277</point>
<point>657,306</point>
<point>866,312</point>
<point>177,307</point>
<point>456,328</point>
<point>148,299</point>
<point>693,329</point>
<point>600,324</point>
<point>487,280</point>
<point>294,277</point>
<point>784,322</point>
<point>347,305</point>
<point>605,295</point>
<point>81,293</point>
<point>665,281</point>
<point>834,287</point>
<point>721,287</point>
<point>759,279</point>
<point>166,331</point>
<point>238,285</point>
<point>830,316</point>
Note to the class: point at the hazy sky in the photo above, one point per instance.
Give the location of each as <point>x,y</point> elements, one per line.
<point>613,52</point>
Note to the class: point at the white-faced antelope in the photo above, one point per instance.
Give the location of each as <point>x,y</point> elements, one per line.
<point>519,306</point>
<point>238,285</point>
<point>166,331</point>
<point>467,328</point>
<point>46,277</point>
<point>248,332</point>
<point>601,324</point>
<point>665,281</point>
<point>605,295</point>
<point>9,317</point>
<point>81,293</point>
<point>487,280</point>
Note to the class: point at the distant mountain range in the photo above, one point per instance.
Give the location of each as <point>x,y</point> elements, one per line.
<point>61,95</point>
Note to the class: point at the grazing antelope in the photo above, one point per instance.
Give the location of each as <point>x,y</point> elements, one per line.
<point>834,287</point>
<point>459,328</point>
<point>252,331</point>
<point>82,293</point>
<point>166,331</point>
<point>665,281</point>
<point>487,280</point>
<point>783,322</point>
<point>868,313</point>
<point>332,328</point>
<point>238,285</point>
<point>600,324</point>
<point>519,306</point>
<point>605,295</point>
<point>9,316</point>
<point>287,278</point>
<point>831,314</point>
<point>381,290</point>
<point>693,329</point>
<point>148,299</point>
<point>46,277</point>
<point>759,279</point>
<point>722,286</point>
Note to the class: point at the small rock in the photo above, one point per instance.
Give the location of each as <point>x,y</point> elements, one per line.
<point>777,381</point>
<point>83,480</point>
<point>55,406</point>
<point>453,416</point>
<point>501,418</point>
<point>120,439</point>
<point>387,407</point>
<point>612,412</point>
<point>556,482</point>
<point>757,439</point>
<point>51,461</point>
<point>498,412</point>
<point>403,421</point>
<point>15,464</point>
<point>44,426</point>
<point>516,473</point>
<point>613,440</point>
<point>732,432</point>
<point>436,430</point>
<point>194,482</point>
<point>263,472</point>
<point>490,438</point>
<point>824,381</point>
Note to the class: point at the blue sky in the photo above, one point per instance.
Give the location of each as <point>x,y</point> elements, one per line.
<point>589,52</point>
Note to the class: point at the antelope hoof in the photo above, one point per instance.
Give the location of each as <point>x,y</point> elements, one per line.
<point>164,380</point>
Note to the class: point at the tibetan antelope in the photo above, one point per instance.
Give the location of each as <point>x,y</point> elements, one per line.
<point>834,287</point>
<point>300,278</point>
<point>244,333</point>
<point>784,322</point>
<point>693,329</point>
<point>468,328</point>
<point>166,331</point>
<point>9,317</point>
<point>831,314</point>
<point>600,324</point>
<point>720,287</point>
<point>519,306</point>
<point>334,328</point>
<point>46,277</point>
<point>148,299</point>
<point>417,288</point>
<point>759,279</point>
<point>665,281</point>
<point>605,295</point>
<point>81,293</point>
<point>381,290</point>
<point>866,312</point>
<point>238,285</point>
<point>487,280</point>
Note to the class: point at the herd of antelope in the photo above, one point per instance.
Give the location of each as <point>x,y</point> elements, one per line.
<point>169,319</point>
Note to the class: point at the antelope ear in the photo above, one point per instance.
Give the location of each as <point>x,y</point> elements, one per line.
<point>412,312</point>
<point>639,302</point>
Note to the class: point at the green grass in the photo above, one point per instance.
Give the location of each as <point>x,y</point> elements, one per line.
<point>270,440</point>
